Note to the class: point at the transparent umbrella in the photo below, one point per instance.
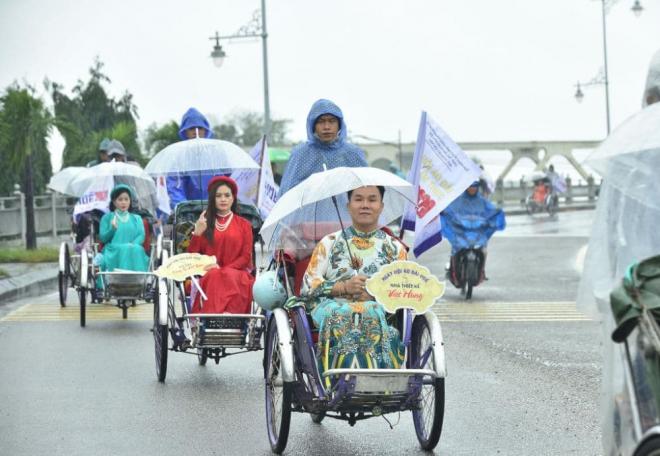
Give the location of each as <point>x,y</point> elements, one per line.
<point>306,213</point>
<point>201,156</point>
<point>121,173</point>
<point>61,180</point>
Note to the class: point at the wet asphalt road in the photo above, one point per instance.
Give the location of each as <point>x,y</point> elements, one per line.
<point>523,373</point>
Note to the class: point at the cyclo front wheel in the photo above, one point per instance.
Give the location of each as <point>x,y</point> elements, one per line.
<point>64,277</point>
<point>278,393</point>
<point>429,416</point>
<point>160,337</point>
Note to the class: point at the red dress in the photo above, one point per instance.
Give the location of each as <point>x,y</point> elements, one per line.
<point>228,288</point>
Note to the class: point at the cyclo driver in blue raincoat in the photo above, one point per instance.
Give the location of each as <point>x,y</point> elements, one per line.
<point>470,221</point>
<point>326,145</point>
<point>184,188</point>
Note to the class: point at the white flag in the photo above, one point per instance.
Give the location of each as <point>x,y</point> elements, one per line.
<point>258,186</point>
<point>97,196</point>
<point>162,196</point>
<point>440,171</point>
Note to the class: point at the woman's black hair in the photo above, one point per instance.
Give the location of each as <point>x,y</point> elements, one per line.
<point>381,190</point>
<point>114,195</point>
<point>212,211</point>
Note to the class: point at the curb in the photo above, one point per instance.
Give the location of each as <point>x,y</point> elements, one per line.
<point>27,285</point>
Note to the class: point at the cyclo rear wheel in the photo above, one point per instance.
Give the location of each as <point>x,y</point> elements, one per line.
<point>429,417</point>
<point>278,393</point>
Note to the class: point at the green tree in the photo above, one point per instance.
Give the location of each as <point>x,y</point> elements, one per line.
<point>90,114</point>
<point>157,138</point>
<point>25,124</point>
<point>249,126</point>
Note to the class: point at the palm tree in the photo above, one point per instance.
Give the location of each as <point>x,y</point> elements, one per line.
<point>25,124</point>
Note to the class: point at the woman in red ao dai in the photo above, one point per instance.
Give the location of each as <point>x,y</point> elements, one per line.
<point>221,232</point>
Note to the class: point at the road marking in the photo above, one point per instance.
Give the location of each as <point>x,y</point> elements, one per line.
<point>94,312</point>
<point>469,311</point>
<point>447,311</point>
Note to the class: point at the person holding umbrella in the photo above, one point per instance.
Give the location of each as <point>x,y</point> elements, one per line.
<point>353,331</point>
<point>326,145</point>
<point>184,188</point>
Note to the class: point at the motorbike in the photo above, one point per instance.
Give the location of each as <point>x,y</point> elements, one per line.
<point>466,269</point>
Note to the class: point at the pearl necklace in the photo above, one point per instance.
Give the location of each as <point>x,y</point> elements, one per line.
<point>122,216</point>
<point>223,226</point>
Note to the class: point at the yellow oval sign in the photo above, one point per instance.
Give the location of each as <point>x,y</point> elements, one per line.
<point>184,265</point>
<point>405,285</point>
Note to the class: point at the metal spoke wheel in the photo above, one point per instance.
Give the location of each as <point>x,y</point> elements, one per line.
<point>64,276</point>
<point>160,332</point>
<point>429,416</point>
<point>278,393</point>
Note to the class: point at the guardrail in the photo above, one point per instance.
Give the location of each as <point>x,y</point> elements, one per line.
<point>52,211</point>
<point>508,193</point>
<point>52,215</point>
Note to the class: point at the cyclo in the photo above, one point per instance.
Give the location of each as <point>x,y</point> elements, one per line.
<point>76,264</point>
<point>217,335</point>
<point>292,377</point>
<point>543,196</point>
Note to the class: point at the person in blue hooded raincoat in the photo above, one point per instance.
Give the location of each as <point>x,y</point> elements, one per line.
<point>122,233</point>
<point>326,144</point>
<point>470,220</point>
<point>184,188</point>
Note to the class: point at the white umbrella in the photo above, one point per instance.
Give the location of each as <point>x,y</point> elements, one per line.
<point>199,156</point>
<point>83,180</point>
<point>121,173</point>
<point>61,180</point>
<point>306,213</point>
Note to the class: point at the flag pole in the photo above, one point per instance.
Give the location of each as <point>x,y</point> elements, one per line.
<point>261,165</point>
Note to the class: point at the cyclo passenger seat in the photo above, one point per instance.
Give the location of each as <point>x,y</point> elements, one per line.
<point>315,232</point>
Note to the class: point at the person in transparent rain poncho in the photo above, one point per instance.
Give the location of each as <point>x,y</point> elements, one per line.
<point>326,145</point>
<point>625,231</point>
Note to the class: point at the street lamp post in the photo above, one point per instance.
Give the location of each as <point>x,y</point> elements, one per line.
<point>603,76</point>
<point>256,28</point>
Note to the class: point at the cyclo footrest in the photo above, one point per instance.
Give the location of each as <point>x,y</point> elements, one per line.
<point>222,332</point>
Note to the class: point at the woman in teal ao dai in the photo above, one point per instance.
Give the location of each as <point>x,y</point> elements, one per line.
<point>122,234</point>
<point>353,331</point>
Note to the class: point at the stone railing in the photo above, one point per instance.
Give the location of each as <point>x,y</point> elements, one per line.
<point>52,211</point>
<point>52,215</point>
<point>510,193</point>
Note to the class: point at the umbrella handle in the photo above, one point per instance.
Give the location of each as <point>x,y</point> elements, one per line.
<point>343,232</point>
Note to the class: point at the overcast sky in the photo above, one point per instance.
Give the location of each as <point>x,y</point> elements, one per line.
<point>485,70</point>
